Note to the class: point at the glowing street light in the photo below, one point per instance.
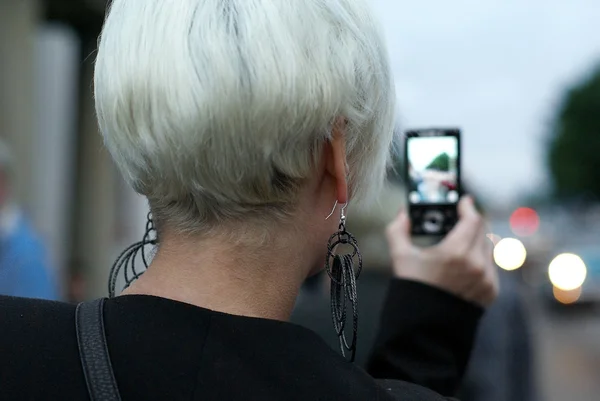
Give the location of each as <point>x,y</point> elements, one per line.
<point>510,254</point>
<point>567,272</point>
<point>524,222</point>
<point>566,297</point>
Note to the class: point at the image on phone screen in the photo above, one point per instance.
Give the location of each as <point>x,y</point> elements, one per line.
<point>433,170</point>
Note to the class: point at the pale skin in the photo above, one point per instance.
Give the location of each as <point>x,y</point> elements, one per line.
<point>461,264</point>
<point>264,281</point>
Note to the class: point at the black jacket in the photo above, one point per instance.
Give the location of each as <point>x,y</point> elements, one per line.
<point>170,351</point>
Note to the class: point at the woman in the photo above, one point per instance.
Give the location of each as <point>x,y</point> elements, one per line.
<point>249,125</point>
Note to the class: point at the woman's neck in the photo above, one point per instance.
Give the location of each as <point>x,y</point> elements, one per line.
<point>255,281</point>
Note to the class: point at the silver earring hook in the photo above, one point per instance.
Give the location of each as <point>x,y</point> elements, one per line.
<point>343,212</point>
<point>332,211</point>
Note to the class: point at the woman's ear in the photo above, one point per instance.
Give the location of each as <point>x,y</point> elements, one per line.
<point>337,165</point>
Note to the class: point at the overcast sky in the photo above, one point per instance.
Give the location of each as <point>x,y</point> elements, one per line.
<point>495,68</point>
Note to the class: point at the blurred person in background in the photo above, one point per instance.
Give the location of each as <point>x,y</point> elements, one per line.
<point>251,126</point>
<point>24,265</point>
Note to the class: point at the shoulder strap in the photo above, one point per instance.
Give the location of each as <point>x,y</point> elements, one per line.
<point>95,360</point>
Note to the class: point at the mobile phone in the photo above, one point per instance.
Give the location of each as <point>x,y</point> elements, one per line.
<point>432,158</point>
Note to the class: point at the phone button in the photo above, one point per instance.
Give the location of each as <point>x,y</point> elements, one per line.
<point>433,222</point>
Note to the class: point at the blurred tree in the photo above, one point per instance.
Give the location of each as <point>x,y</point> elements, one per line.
<point>574,148</point>
<point>441,163</point>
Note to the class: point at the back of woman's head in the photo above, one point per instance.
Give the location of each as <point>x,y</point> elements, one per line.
<point>219,109</point>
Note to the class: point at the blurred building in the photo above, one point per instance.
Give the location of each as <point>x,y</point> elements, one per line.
<point>65,179</point>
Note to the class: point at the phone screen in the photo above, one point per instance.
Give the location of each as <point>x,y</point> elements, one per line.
<point>433,175</point>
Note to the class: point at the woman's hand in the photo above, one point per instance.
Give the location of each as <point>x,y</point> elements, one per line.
<point>461,264</point>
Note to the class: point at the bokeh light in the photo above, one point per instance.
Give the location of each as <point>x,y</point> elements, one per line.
<point>567,297</point>
<point>567,272</point>
<point>510,254</point>
<point>524,222</point>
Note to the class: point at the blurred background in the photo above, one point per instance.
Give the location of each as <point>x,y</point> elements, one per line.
<point>520,78</point>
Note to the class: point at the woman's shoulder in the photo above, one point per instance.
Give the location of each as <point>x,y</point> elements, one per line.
<point>38,345</point>
<point>28,326</point>
<point>222,356</point>
<point>238,357</point>
<point>22,314</point>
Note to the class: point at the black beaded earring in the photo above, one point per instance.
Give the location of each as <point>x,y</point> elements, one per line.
<point>127,259</point>
<point>344,275</point>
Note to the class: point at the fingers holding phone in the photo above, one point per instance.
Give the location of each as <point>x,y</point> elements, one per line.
<point>461,264</point>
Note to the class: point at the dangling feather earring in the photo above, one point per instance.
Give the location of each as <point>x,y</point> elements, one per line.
<point>127,259</point>
<point>343,274</point>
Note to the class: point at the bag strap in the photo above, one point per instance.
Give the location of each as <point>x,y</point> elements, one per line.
<point>95,360</point>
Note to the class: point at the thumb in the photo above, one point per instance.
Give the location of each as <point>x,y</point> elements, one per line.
<point>398,233</point>
<point>466,207</point>
<point>467,227</point>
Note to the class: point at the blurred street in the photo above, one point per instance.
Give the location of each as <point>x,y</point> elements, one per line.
<point>568,353</point>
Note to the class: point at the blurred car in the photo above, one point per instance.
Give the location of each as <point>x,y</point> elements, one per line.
<point>588,293</point>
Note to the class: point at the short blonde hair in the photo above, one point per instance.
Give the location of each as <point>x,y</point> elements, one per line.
<point>218,110</point>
